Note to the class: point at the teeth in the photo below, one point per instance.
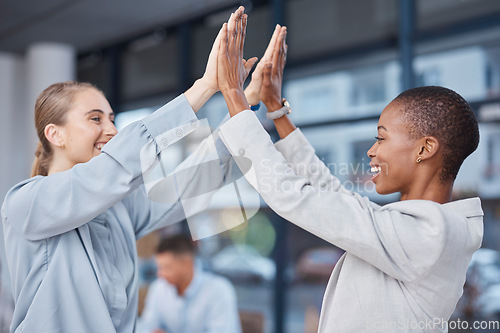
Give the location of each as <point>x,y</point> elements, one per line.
<point>375,169</point>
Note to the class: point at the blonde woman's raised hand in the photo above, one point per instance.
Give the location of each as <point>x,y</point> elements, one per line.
<point>210,75</point>
<point>204,88</point>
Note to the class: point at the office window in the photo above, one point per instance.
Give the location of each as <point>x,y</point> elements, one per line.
<point>94,67</point>
<point>437,14</point>
<point>317,27</point>
<point>463,70</point>
<point>351,93</point>
<point>151,65</point>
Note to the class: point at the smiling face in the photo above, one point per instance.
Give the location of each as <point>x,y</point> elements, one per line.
<point>394,154</point>
<point>89,126</point>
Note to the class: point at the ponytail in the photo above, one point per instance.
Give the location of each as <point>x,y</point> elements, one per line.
<point>42,161</point>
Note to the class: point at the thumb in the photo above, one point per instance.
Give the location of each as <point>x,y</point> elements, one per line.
<point>249,64</point>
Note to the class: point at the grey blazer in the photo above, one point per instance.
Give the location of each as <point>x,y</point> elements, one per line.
<point>405,262</point>
<point>70,237</point>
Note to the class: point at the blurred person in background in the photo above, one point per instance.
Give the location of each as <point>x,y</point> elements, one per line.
<point>186,299</point>
<point>405,263</point>
<point>70,231</point>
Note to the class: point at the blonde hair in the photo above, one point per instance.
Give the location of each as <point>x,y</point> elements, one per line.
<point>51,108</point>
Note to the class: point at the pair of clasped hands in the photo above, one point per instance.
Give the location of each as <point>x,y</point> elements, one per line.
<point>227,69</point>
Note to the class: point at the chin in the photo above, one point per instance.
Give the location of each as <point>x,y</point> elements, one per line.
<point>384,191</point>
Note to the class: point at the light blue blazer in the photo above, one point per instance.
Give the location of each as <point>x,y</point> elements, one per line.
<point>70,237</point>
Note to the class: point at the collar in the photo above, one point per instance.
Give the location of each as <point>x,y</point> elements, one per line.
<point>468,207</point>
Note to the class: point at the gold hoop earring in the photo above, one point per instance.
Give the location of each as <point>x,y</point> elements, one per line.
<point>419,159</point>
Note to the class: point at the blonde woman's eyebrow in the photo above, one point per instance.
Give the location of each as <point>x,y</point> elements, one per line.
<point>100,111</point>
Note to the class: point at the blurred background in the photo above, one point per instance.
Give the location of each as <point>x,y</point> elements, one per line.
<point>346,61</point>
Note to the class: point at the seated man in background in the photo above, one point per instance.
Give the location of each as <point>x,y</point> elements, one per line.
<point>184,298</point>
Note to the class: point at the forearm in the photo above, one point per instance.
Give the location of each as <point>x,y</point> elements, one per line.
<point>284,125</point>
<point>199,94</point>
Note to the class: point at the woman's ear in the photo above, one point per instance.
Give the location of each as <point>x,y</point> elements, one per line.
<point>54,135</point>
<point>428,148</point>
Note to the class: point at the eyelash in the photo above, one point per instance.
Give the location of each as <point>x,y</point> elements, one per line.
<point>98,119</point>
<point>379,139</point>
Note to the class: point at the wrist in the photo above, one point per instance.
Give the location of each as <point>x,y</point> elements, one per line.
<point>273,105</point>
<point>235,100</point>
<point>252,96</point>
<point>204,85</point>
<point>252,99</point>
<point>199,93</point>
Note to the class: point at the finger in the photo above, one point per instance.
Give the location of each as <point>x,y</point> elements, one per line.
<point>257,73</point>
<point>276,52</point>
<point>223,43</point>
<point>285,55</point>
<point>282,55</point>
<point>234,27</point>
<point>243,32</point>
<point>270,47</point>
<point>231,28</point>
<point>266,74</point>
<point>249,64</point>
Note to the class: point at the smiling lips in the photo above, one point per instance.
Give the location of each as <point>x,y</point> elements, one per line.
<point>375,170</point>
<point>99,145</point>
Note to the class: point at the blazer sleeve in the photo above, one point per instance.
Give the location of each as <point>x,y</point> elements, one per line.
<point>42,207</point>
<point>404,239</point>
<point>189,193</point>
<point>301,156</point>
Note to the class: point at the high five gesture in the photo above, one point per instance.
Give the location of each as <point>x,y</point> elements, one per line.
<point>232,68</point>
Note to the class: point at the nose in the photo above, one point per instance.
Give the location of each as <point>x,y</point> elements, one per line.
<point>371,152</point>
<point>110,129</point>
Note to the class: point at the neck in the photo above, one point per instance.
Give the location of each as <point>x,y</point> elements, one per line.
<point>59,164</point>
<point>181,287</point>
<point>433,189</point>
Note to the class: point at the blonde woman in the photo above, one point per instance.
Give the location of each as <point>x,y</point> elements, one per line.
<point>70,230</point>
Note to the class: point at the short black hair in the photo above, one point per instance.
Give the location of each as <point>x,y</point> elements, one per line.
<point>444,114</point>
<point>178,244</point>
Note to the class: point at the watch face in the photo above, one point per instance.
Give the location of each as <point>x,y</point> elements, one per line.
<point>285,103</point>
